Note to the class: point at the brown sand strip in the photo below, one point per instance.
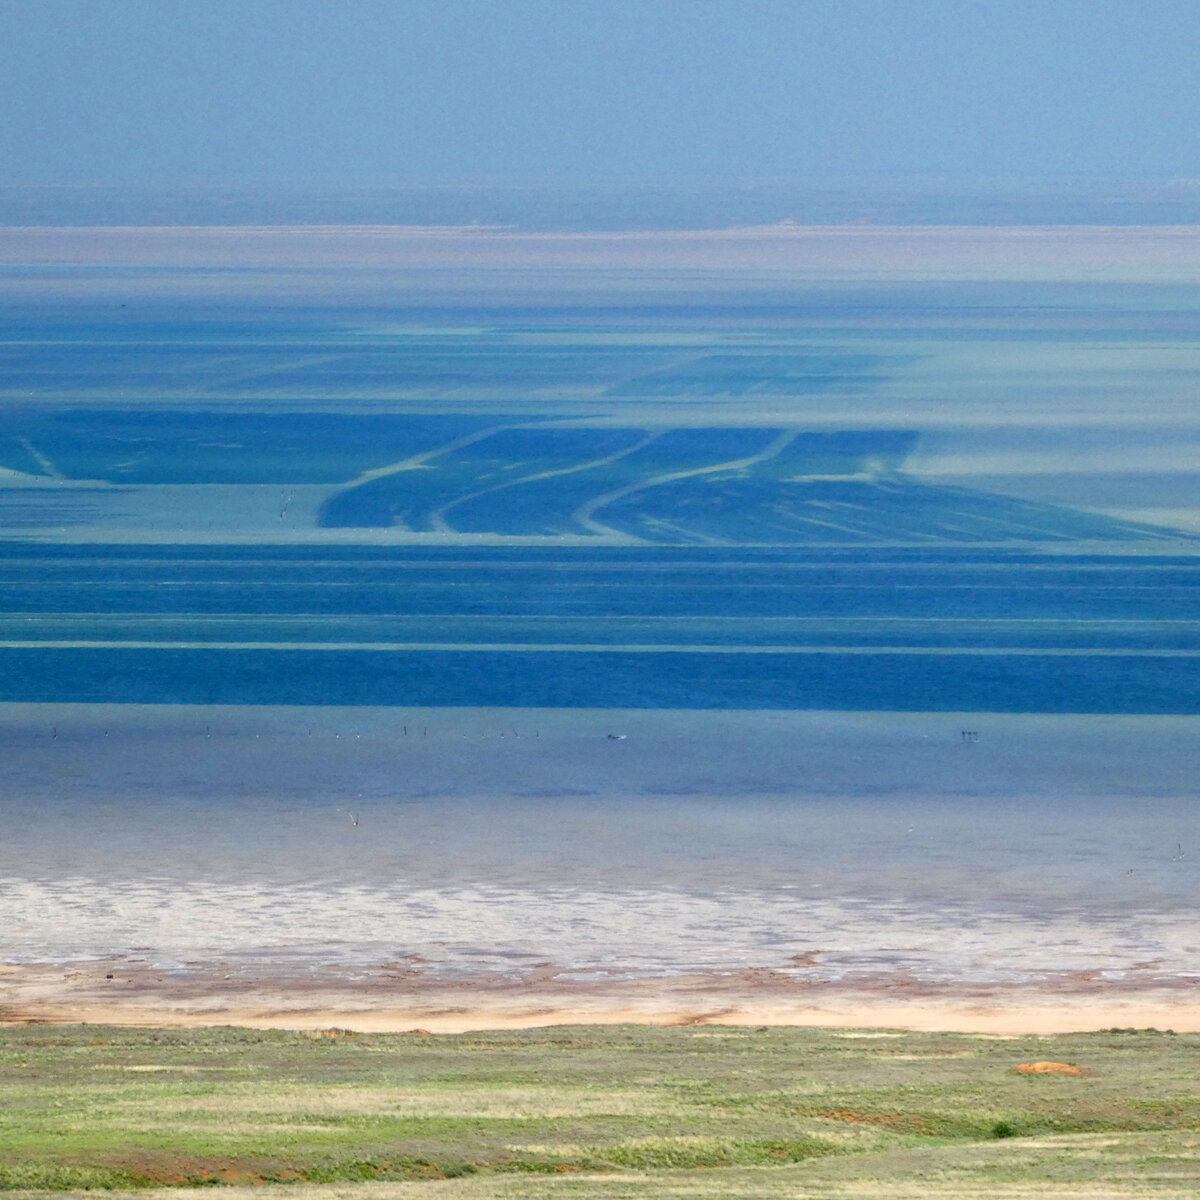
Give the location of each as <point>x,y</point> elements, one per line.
<point>123,993</point>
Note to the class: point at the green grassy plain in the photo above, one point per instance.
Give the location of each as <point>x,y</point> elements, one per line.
<point>599,1112</point>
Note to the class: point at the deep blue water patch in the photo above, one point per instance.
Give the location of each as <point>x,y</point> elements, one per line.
<point>703,627</point>
<point>172,446</point>
<point>1135,683</point>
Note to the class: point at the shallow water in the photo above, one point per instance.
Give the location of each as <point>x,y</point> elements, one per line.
<point>485,840</point>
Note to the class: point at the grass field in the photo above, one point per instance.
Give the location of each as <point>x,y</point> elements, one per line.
<point>591,1111</point>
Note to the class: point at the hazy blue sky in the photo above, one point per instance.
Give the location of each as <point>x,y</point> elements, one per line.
<point>580,91</point>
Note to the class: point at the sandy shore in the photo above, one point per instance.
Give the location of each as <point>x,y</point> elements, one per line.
<point>116,991</point>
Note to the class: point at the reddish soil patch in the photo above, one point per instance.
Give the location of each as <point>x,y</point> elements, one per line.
<point>1045,1067</point>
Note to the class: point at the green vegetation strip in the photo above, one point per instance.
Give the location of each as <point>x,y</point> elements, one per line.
<point>94,1107</point>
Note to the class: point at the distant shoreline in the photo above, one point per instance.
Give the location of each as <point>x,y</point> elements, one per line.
<point>1086,253</point>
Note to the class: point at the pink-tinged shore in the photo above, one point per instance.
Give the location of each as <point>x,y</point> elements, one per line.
<point>120,992</point>
<point>1085,252</point>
